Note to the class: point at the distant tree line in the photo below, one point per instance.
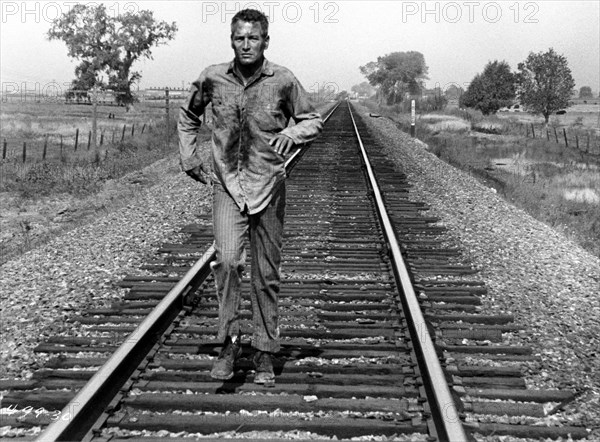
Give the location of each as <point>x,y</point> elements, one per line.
<point>396,75</point>
<point>542,83</point>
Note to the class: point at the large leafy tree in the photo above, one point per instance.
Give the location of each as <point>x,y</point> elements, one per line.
<point>492,89</point>
<point>107,46</point>
<point>545,83</point>
<point>397,74</point>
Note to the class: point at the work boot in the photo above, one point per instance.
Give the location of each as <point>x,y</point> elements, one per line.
<point>264,367</point>
<point>223,367</point>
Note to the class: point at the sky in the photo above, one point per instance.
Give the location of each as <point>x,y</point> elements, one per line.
<point>323,42</point>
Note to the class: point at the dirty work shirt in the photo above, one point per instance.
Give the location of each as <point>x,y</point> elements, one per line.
<point>245,119</point>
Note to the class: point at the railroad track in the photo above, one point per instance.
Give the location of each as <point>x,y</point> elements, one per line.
<point>365,323</point>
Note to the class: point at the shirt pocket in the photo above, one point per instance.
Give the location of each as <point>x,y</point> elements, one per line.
<point>269,117</point>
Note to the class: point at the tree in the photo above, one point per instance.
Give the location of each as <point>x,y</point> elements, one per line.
<point>396,75</point>
<point>432,100</point>
<point>107,46</point>
<point>453,92</point>
<point>364,89</point>
<point>545,83</point>
<point>474,94</point>
<point>585,92</point>
<point>341,95</point>
<point>492,89</point>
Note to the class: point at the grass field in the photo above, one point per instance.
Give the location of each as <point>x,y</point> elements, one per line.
<point>558,185</point>
<point>130,140</point>
<point>58,123</point>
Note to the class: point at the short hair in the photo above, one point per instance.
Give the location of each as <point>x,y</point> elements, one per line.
<point>252,16</point>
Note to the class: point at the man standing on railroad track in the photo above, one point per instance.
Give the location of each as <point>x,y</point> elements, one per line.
<point>252,102</point>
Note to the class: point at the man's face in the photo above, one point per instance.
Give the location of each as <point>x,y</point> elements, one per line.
<point>248,43</point>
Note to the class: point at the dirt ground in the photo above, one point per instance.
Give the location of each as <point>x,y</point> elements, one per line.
<point>27,223</point>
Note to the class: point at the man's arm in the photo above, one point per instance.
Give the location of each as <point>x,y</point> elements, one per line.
<point>309,123</point>
<point>188,126</point>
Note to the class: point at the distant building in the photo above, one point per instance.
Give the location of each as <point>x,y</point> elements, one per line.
<point>158,93</point>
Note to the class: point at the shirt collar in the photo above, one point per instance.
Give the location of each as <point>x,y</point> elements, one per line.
<point>266,69</point>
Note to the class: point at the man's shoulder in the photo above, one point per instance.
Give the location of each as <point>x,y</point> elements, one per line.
<point>215,69</point>
<point>281,70</point>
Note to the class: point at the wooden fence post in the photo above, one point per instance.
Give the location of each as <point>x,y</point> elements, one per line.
<point>532,131</point>
<point>4,147</point>
<point>113,136</point>
<point>89,139</point>
<point>132,129</point>
<point>24,151</point>
<point>123,133</point>
<point>45,148</point>
<point>555,135</point>
<point>76,139</point>
<point>565,134</point>
<point>547,134</point>
<point>577,141</point>
<point>94,119</point>
<point>167,116</point>
<point>143,127</point>
<point>526,131</point>
<point>102,137</point>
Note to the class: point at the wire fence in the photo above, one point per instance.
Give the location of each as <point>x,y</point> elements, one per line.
<point>580,139</point>
<point>585,141</point>
<point>57,146</point>
<point>156,113</point>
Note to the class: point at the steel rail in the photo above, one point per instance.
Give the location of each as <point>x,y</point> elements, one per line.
<point>448,424</point>
<point>80,414</point>
<point>86,407</point>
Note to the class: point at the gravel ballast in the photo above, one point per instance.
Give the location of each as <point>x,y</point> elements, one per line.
<point>549,283</point>
<point>79,269</point>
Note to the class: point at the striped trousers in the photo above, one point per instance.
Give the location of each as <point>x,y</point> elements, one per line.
<point>265,233</point>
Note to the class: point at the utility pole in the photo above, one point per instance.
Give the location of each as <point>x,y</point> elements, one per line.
<point>413,120</point>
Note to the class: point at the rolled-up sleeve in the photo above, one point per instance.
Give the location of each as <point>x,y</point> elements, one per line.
<point>309,123</point>
<point>189,124</point>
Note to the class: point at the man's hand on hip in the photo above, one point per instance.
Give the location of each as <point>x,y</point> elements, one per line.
<point>199,174</point>
<point>282,144</point>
